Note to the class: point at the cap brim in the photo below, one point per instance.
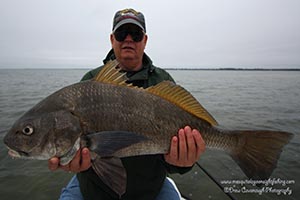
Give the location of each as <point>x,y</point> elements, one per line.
<point>128,21</point>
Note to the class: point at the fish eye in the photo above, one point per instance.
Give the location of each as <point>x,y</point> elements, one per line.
<point>27,130</point>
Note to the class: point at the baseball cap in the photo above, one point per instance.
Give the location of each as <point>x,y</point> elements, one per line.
<point>129,16</point>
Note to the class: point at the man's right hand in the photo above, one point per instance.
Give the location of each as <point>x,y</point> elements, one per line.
<point>81,162</point>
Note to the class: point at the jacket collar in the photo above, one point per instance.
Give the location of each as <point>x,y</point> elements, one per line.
<point>142,74</point>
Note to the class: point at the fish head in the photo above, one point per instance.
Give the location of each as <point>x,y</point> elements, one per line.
<point>43,135</point>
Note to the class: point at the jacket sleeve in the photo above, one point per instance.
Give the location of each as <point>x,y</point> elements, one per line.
<point>174,169</point>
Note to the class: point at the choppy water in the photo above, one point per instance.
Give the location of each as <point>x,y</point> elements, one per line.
<point>237,99</point>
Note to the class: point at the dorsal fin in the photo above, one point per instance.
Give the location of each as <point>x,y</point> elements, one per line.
<point>182,98</point>
<point>110,73</point>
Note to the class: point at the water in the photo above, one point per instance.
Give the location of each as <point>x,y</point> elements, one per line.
<point>243,100</point>
<point>237,99</point>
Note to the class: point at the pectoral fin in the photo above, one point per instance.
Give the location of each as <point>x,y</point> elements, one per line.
<point>106,143</point>
<point>112,173</point>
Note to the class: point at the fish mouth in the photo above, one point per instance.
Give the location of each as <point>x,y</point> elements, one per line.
<point>16,154</point>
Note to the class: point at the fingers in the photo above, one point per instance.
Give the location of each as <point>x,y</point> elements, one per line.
<point>80,162</point>
<point>199,142</point>
<point>74,165</point>
<point>185,149</point>
<point>172,156</point>
<point>65,167</point>
<point>191,145</point>
<point>53,163</point>
<point>85,159</point>
<point>195,144</point>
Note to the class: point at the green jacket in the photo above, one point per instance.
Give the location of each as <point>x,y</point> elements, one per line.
<point>145,174</point>
<point>149,75</point>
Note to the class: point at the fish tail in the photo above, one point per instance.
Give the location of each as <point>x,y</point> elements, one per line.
<point>257,152</point>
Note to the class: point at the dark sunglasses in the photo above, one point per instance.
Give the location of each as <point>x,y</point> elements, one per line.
<point>137,35</point>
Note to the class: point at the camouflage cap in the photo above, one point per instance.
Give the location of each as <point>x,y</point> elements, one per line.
<point>129,16</point>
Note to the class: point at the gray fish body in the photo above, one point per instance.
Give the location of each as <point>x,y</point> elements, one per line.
<point>91,107</point>
<point>105,107</point>
<point>108,107</point>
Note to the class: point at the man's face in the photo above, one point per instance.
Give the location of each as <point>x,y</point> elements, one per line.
<point>128,43</point>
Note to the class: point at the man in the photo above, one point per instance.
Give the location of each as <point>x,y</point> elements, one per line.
<point>146,175</point>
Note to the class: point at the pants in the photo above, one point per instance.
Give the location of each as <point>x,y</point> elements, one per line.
<point>72,191</point>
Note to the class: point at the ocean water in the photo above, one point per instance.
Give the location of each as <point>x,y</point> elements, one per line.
<point>237,100</point>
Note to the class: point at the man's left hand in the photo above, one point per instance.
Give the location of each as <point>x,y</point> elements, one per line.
<point>186,148</point>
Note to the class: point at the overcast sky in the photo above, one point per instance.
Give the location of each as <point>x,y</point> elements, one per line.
<point>190,33</point>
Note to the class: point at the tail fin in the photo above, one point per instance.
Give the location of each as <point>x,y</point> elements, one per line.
<point>257,152</point>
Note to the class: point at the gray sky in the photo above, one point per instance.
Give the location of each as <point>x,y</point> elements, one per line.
<point>191,33</point>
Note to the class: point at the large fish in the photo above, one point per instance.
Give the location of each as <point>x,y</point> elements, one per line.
<point>114,120</point>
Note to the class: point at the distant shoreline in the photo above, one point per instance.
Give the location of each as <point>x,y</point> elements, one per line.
<point>235,69</point>
<point>172,69</point>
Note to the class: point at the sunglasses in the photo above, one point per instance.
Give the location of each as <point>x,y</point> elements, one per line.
<point>137,35</point>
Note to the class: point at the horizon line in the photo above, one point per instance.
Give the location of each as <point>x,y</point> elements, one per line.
<point>168,68</point>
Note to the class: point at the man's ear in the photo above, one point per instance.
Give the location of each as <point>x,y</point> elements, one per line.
<point>111,39</point>
<point>146,39</point>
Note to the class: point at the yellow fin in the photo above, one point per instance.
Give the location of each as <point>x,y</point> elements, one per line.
<point>110,73</point>
<point>182,98</point>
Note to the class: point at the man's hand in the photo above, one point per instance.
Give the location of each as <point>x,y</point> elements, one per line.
<point>186,148</point>
<point>81,162</point>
